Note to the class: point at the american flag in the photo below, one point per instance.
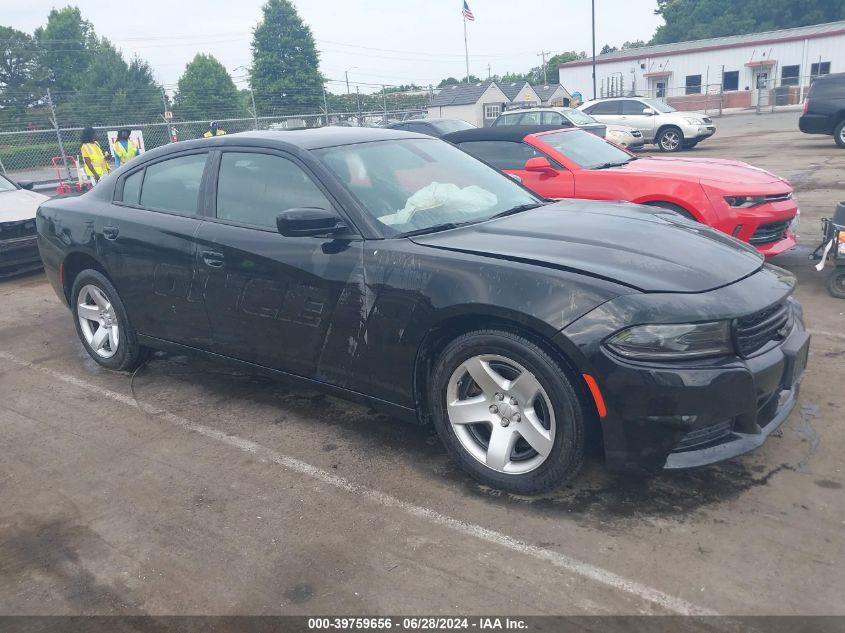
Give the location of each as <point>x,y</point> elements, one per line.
<point>467,13</point>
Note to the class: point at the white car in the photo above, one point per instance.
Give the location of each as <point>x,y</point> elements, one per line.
<point>626,136</point>
<point>18,247</point>
<point>660,123</point>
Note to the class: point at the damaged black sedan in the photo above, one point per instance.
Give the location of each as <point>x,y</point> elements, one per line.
<point>398,271</point>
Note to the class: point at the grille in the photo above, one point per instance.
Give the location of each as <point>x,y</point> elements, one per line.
<point>705,435</point>
<point>768,233</point>
<point>636,133</point>
<point>754,331</point>
<point>14,230</point>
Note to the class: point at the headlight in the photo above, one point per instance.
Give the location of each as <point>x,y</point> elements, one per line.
<point>745,201</point>
<point>673,342</point>
<point>693,121</point>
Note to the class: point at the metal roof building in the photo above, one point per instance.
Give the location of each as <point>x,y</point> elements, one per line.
<point>757,69</point>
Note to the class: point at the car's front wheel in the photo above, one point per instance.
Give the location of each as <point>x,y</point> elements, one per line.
<point>836,282</point>
<point>507,412</point>
<point>670,139</point>
<point>102,323</point>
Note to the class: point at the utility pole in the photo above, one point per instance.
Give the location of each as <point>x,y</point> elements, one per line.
<point>254,109</point>
<point>384,98</point>
<point>55,121</point>
<point>358,97</point>
<point>167,129</point>
<point>594,49</point>
<point>488,72</point>
<point>543,54</point>
<point>325,104</point>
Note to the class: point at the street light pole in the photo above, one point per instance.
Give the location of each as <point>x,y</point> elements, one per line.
<point>346,72</point>
<point>594,48</point>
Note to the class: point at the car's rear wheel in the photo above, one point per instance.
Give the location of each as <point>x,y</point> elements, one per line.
<point>670,139</point>
<point>839,134</point>
<point>836,282</point>
<point>102,323</point>
<point>507,412</point>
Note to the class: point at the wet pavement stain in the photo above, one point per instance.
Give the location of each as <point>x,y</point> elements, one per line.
<point>827,483</point>
<point>808,433</point>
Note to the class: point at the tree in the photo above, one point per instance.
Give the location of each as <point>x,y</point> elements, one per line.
<point>206,91</point>
<point>561,58</point>
<point>607,48</point>
<point>64,51</point>
<point>285,73</point>
<point>451,81</point>
<point>699,19</point>
<point>17,66</point>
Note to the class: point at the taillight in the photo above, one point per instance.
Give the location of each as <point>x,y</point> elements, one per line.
<point>806,104</point>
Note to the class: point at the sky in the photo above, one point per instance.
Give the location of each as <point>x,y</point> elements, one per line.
<point>378,41</point>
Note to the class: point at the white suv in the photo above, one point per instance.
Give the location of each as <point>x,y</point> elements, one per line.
<point>659,123</point>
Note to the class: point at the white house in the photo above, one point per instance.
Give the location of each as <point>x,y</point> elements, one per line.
<point>553,95</point>
<point>774,67</point>
<point>476,103</point>
<point>520,95</point>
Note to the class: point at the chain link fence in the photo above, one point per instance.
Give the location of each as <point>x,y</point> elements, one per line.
<point>47,155</point>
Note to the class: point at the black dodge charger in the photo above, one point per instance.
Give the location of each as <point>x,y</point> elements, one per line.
<point>396,270</point>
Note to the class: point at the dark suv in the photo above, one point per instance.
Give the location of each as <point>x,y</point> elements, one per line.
<point>824,108</point>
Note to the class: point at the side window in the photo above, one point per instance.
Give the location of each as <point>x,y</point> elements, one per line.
<point>501,154</point>
<point>174,185</point>
<point>530,118</point>
<point>419,128</point>
<point>604,107</point>
<point>554,118</point>
<point>254,188</point>
<point>633,108</point>
<point>132,187</point>
<point>508,119</point>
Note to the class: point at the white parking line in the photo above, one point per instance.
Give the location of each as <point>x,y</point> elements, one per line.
<point>586,570</point>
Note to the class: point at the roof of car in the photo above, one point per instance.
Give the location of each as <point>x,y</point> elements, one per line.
<point>543,109</point>
<point>513,133</point>
<point>323,137</point>
<point>428,119</point>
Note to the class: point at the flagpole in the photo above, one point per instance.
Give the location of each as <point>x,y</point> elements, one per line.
<point>466,50</point>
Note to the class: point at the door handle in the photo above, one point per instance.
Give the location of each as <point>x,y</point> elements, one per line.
<point>212,258</point>
<point>111,232</point>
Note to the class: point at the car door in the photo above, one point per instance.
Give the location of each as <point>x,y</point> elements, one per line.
<point>510,157</point>
<point>288,303</point>
<point>148,247</point>
<point>632,114</point>
<point>607,112</point>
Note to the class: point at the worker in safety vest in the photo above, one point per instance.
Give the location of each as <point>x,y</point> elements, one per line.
<point>124,148</point>
<point>213,130</point>
<point>93,158</point>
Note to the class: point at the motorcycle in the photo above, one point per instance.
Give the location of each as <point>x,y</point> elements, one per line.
<point>833,248</point>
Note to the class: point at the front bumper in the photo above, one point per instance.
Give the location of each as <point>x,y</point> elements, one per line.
<point>19,255</point>
<point>668,418</point>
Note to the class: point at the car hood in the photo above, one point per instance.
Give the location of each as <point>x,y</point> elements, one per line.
<point>19,204</point>
<point>648,249</point>
<point>711,170</point>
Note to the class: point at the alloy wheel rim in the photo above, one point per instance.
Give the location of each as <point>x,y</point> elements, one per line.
<point>842,134</point>
<point>501,414</point>
<point>98,321</point>
<point>670,140</point>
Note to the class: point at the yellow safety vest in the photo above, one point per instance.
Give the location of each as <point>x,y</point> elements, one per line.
<point>125,154</point>
<point>209,134</point>
<point>98,160</point>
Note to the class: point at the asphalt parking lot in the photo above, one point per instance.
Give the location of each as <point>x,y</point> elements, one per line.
<point>193,488</point>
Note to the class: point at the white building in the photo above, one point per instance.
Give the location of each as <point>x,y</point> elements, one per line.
<point>553,95</point>
<point>478,103</point>
<point>520,95</point>
<point>774,67</point>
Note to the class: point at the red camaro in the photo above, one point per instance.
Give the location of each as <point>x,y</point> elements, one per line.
<point>749,203</point>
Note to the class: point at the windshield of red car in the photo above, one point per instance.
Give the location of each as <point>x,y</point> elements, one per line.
<point>414,184</point>
<point>585,149</point>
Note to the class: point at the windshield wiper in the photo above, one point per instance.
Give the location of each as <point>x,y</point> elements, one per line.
<point>518,209</point>
<point>436,228</point>
<point>606,165</point>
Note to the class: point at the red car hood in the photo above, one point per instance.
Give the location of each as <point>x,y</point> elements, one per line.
<point>714,170</point>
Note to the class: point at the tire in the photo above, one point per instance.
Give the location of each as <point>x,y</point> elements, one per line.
<point>110,339</point>
<point>545,408</point>
<point>672,207</point>
<point>839,133</point>
<point>670,139</point>
<point>836,282</point>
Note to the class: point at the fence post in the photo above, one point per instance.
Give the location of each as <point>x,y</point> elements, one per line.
<point>325,104</point>
<point>164,118</point>
<point>55,121</point>
<point>384,97</point>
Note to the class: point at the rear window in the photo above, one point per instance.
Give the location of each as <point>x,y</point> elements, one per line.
<point>447,127</point>
<point>508,119</point>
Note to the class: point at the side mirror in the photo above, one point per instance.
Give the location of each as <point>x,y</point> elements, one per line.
<point>25,184</point>
<point>541,165</point>
<point>649,111</point>
<point>308,221</point>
